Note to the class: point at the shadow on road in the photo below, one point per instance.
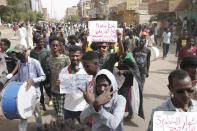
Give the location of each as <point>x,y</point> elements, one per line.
<point>8,125</point>
<point>163,71</point>
<point>155,96</point>
<point>130,123</point>
<point>172,61</point>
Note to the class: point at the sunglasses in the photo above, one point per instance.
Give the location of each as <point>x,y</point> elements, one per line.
<point>55,45</point>
<point>103,47</point>
<point>181,91</point>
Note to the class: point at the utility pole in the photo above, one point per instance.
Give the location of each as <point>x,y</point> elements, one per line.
<point>107,9</point>
<point>51,8</point>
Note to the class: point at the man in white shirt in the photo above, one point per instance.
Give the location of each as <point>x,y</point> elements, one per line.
<point>22,33</point>
<point>156,33</point>
<point>74,102</point>
<point>166,42</point>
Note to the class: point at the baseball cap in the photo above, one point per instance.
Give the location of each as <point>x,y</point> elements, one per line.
<point>19,48</point>
<point>144,33</point>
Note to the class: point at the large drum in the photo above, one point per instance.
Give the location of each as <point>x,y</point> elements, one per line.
<point>18,102</point>
<point>154,53</point>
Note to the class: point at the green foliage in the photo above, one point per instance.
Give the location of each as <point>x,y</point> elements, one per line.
<point>72,18</point>
<point>54,20</point>
<point>39,16</point>
<point>30,16</point>
<point>5,13</point>
<point>15,11</point>
<point>34,16</point>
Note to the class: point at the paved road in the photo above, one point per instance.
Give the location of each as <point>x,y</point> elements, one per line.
<point>155,92</point>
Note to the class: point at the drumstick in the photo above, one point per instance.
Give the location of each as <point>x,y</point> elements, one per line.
<point>5,84</point>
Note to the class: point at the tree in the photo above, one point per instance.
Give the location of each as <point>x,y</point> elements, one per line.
<point>72,18</point>
<point>15,11</point>
<point>5,13</point>
<point>30,16</point>
<point>34,16</point>
<point>39,16</point>
<point>54,19</point>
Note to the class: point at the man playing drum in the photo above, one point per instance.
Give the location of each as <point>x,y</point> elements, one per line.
<point>30,71</point>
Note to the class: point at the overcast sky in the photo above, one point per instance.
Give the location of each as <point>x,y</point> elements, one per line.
<point>58,6</point>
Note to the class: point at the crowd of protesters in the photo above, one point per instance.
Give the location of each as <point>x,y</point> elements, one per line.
<point>46,50</point>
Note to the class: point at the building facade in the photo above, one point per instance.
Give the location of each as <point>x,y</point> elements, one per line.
<point>84,7</point>
<point>72,11</point>
<point>131,12</point>
<point>123,11</point>
<point>45,12</point>
<point>182,8</point>
<point>34,5</point>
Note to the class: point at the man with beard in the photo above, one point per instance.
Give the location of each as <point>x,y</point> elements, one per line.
<point>181,89</point>
<point>74,102</point>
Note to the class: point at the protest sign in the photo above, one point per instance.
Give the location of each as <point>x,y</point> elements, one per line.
<point>70,82</point>
<point>174,121</point>
<point>102,31</point>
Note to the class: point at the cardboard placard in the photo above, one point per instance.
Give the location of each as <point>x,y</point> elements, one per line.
<point>174,121</point>
<point>70,82</point>
<point>102,31</point>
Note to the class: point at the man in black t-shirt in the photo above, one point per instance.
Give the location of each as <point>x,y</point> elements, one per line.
<point>39,28</point>
<point>181,42</point>
<point>54,32</point>
<point>9,55</point>
<point>106,60</point>
<point>142,55</point>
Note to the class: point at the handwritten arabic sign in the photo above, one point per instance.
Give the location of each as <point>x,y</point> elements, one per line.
<point>174,121</point>
<point>70,82</point>
<point>102,31</point>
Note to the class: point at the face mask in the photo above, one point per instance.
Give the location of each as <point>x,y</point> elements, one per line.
<point>20,56</point>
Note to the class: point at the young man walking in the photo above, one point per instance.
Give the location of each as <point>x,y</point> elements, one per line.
<point>142,56</point>
<point>55,63</point>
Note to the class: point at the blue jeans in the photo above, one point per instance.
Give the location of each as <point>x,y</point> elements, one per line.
<point>165,49</point>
